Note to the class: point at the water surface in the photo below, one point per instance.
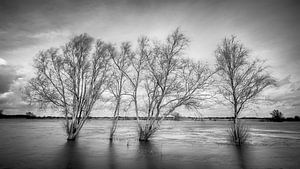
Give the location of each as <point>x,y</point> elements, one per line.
<point>36,143</point>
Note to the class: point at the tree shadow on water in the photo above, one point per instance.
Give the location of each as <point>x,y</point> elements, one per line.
<point>112,163</point>
<point>149,156</point>
<point>242,156</point>
<point>70,156</point>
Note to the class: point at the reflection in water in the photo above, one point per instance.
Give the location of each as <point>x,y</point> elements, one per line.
<point>111,156</point>
<point>149,155</point>
<point>30,144</point>
<point>242,156</point>
<point>70,156</point>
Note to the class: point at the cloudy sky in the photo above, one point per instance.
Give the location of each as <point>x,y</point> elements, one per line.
<point>270,28</point>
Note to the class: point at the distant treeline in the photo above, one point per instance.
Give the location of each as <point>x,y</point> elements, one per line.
<point>32,116</point>
<point>296,118</point>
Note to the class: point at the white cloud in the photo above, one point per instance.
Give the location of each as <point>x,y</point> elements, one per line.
<point>3,62</point>
<point>51,35</point>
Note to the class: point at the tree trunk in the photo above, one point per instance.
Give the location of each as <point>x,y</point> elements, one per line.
<point>144,139</point>
<point>235,121</point>
<point>115,118</point>
<point>72,134</point>
<point>73,130</point>
<point>113,128</point>
<point>235,130</point>
<point>71,137</point>
<point>146,131</point>
<point>144,136</point>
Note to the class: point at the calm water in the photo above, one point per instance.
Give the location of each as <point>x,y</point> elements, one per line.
<point>178,144</point>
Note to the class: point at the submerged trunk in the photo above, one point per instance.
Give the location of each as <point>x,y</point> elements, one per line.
<point>71,137</point>
<point>143,138</point>
<point>116,118</point>
<point>235,123</point>
<point>72,134</point>
<point>240,133</point>
<point>236,134</point>
<point>144,135</point>
<point>73,128</point>
<point>114,127</point>
<point>147,130</point>
<point>152,125</point>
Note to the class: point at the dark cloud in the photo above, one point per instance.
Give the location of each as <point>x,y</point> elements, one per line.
<point>7,76</point>
<point>296,104</point>
<point>20,19</point>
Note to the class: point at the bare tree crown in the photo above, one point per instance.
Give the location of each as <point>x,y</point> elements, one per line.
<point>241,79</point>
<point>161,80</point>
<point>71,78</point>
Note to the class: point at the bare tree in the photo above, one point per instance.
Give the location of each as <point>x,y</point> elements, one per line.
<point>172,82</point>
<point>133,72</point>
<point>241,79</point>
<point>165,81</point>
<point>116,86</point>
<point>71,79</point>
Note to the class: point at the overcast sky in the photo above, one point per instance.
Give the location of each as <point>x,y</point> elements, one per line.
<point>269,28</point>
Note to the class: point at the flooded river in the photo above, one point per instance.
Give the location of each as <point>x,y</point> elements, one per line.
<point>37,144</point>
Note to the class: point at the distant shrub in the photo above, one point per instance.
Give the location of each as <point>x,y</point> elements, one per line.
<point>30,114</point>
<point>277,116</point>
<point>176,116</point>
<point>238,133</point>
